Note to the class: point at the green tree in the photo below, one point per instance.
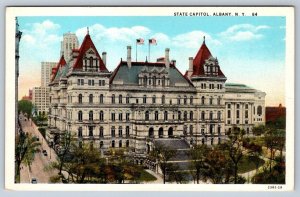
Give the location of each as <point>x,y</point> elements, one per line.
<point>234,149</point>
<point>25,107</point>
<point>26,146</point>
<point>198,156</point>
<point>259,130</point>
<point>163,155</point>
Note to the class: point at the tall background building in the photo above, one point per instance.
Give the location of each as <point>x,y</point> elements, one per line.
<point>46,72</point>
<point>40,95</point>
<point>69,42</point>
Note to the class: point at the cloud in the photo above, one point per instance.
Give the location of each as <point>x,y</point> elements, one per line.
<point>193,39</point>
<point>161,38</point>
<point>243,32</point>
<point>126,34</point>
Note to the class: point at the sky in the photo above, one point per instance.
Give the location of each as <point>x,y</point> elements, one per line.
<point>250,50</point>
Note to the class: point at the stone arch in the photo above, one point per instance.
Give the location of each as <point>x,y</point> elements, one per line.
<point>151,132</point>
<point>160,132</point>
<point>170,132</point>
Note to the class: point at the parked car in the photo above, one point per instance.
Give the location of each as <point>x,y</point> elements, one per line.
<point>45,153</point>
<point>33,180</point>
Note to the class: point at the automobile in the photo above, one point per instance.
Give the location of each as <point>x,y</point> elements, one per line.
<point>33,180</point>
<point>37,139</point>
<point>45,153</point>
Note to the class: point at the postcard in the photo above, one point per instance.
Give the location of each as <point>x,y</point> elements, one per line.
<point>149,98</point>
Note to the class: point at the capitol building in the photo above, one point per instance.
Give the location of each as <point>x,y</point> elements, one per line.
<point>142,102</point>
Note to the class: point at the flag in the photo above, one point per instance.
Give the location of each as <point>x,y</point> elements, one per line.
<point>140,41</point>
<point>152,41</point>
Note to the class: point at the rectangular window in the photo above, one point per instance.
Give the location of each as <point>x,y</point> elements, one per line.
<point>103,82</point>
<point>120,116</point>
<point>246,114</point>
<point>82,82</point>
<point>228,114</point>
<point>89,82</point>
<point>78,82</point>
<point>127,116</point>
<point>127,131</point>
<point>113,116</point>
<point>237,114</point>
<point>228,121</point>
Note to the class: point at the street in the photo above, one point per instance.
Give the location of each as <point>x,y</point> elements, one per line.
<point>40,161</point>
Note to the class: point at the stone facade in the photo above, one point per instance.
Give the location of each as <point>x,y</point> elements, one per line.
<point>142,101</point>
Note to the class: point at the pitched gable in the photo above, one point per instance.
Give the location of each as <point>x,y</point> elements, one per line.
<point>88,47</point>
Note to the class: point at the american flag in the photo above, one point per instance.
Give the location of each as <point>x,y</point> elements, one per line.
<point>140,41</point>
<point>152,41</point>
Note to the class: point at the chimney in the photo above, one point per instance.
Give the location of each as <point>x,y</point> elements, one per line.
<point>129,56</point>
<point>167,61</point>
<point>174,62</point>
<point>104,58</point>
<point>191,59</point>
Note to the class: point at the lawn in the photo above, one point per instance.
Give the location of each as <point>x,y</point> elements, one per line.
<point>246,165</point>
<point>146,177</point>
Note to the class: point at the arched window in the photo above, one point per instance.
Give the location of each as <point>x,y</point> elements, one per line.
<point>151,132</point>
<point>127,143</point>
<point>101,116</point>
<point>91,131</point>
<point>80,132</point>
<point>113,144</point>
<point>219,115</point>
<point>101,144</point>
<point>202,100</point>
<point>154,81</point>
<point>202,115</point>
<point>147,115</point>
<point>185,116</point>
<point>91,98</point>
<point>80,98</point>
<point>178,100</point>
<point>101,98</point>
<point>191,115</point>
<point>80,116</point>
<point>90,115</point>
<point>185,100</point>
<point>101,134</point>
<point>113,99</point>
<point>120,143</point>
<point>153,99</point>
<point>120,131</point>
<point>259,110</point>
<point>113,132</point>
<point>156,115</point>
<point>179,115</point>
<point>127,131</point>
<point>163,99</point>
<point>144,99</point>
<point>211,115</point>
<point>211,100</point>
<point>120,99</point>
<point>127,99</point>
<point>166,115</point>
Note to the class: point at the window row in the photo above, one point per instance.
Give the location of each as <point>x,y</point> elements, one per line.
<point>237,114</point>
<point>101,132</point>
<point>101,116</point>
<point>212,86</point>
<point>91,82</point>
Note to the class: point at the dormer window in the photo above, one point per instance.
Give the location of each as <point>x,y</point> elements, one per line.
<point>91,62</point>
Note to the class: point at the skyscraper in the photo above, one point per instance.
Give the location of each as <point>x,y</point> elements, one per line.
<point>46,69</point>
<point>69,42</point>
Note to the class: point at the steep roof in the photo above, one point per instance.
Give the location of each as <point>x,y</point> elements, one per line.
<point>130,75</point>
<point>199,61</point>
<point>86,45</point>
<point>62,62</point>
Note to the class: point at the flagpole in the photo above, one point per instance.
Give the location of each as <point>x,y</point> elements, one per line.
<point>149,49</point>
